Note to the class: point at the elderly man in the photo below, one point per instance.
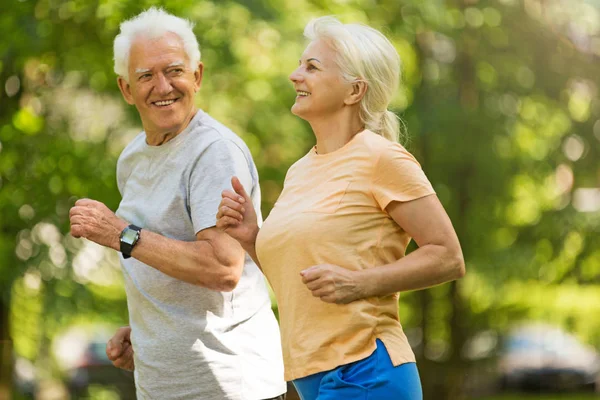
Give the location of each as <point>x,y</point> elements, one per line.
<point>201,326</point>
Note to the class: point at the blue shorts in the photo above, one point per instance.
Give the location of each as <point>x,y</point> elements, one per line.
<point>373,378</point>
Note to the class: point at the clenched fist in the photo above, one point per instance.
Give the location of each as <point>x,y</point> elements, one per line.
<point>94,221</point>
<point>333,284</point>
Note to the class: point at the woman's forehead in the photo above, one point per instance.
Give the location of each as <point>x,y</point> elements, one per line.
<point>320,50</point>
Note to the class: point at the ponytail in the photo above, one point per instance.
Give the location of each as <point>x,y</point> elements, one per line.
<point>386,124</point>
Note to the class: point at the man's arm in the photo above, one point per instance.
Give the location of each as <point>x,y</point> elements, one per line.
<point>214,260</point>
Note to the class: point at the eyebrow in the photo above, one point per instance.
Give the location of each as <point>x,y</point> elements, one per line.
<point>310,59</point>
<point>173,64</point>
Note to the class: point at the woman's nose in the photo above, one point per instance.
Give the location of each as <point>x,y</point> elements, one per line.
<point>296,76</point>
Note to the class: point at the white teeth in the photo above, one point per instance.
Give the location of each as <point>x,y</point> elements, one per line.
<point>164,103</point>
<point>302,93</point>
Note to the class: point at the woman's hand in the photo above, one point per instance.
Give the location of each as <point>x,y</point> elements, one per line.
<point>236,215</point>
<point>333,284</point>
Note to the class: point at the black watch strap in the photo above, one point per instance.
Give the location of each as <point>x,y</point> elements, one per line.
<point>128,239</point>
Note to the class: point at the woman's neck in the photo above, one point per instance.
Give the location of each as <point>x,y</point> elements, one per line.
<point>333,133</point>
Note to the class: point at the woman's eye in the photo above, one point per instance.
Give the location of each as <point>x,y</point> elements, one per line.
<point>310,67</point>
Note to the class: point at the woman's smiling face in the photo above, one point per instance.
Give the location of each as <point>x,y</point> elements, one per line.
<point>320,87</point>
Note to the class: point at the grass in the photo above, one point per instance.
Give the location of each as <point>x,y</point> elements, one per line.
<point>549,396</point>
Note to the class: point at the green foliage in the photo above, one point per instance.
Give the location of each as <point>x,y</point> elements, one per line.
<point>523,396</point>
<point>499,98</point>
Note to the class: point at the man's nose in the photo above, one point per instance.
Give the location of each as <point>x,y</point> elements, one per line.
<point>163,85</point>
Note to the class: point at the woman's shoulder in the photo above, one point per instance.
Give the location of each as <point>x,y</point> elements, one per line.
<point>380,147</point>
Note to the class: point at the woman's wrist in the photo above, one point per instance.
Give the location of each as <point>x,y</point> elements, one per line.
<point>250,244</point>
<point>365,283</point>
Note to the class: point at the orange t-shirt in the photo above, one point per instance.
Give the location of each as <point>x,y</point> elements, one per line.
<point>332,210</point>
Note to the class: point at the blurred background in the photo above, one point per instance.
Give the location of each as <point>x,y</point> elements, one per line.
<point>500,102</point>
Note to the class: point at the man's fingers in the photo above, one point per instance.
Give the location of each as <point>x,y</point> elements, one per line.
<point>76,219</point>
<point>84,202</point>
<point>78,211</point>
<point>125,361</point>
<point>77,231</point>
<point>122,334</point>
<point>113,350</point>
<point>117,344</point>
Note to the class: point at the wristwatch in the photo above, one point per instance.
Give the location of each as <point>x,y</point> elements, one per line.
<point>128,238</point>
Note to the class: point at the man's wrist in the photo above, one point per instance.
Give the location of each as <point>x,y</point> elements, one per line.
<point>128,239</point>
<point>120,226</point>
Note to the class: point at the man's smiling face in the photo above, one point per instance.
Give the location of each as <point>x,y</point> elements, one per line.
<point>161,84</point>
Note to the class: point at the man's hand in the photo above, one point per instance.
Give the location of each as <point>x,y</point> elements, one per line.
<point>119,350</point>
<point>332,283</point>
<point>92,220</point>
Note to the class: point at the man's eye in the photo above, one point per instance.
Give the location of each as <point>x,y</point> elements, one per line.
<point>176,71</point>
<point>145,76</point>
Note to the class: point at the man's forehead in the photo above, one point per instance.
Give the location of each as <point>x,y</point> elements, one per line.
<point>146,51</point>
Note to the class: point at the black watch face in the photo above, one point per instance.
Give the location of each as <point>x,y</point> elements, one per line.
<point>129,236</point>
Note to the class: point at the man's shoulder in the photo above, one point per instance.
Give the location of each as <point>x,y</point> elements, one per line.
<point>133,146</point>
<point>210,130</point>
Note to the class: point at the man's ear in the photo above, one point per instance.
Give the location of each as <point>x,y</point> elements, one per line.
<point>359,88</point>
<point>125,89</point>
<point>198,74</point>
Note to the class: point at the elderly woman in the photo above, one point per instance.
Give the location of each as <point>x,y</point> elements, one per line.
<point>333,247</point>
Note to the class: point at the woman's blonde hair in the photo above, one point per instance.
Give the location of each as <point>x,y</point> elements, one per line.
<point>364,54</point>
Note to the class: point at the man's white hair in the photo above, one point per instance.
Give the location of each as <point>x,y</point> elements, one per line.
<point>153,23</point>
<point>364,54</point>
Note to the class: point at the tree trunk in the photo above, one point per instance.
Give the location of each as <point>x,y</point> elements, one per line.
<point>6,353</point>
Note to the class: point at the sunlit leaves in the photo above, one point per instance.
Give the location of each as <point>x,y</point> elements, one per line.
<point>517,169</point>
<point>590,266</point>
<point>26,313</point>
<point>27,122</point>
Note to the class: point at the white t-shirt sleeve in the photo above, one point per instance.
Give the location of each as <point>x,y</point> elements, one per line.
<point>212,174</point>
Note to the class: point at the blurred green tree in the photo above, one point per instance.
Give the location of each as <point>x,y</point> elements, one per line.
<point>500,99</point>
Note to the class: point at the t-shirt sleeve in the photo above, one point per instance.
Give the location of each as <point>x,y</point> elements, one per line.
<point>211,175</point>
<point>398,176</point>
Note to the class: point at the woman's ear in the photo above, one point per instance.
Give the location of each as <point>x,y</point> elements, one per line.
<point>359,88</point>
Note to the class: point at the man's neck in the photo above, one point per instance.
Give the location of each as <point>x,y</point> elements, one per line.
<point>158,138</point>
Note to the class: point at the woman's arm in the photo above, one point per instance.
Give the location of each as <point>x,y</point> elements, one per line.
<point>438,259</point>
<point>236,217</point>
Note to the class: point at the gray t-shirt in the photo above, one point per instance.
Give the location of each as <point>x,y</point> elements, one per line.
<point>191,342</point>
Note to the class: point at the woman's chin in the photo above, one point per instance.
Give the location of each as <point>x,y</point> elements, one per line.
<point>297,111</point>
